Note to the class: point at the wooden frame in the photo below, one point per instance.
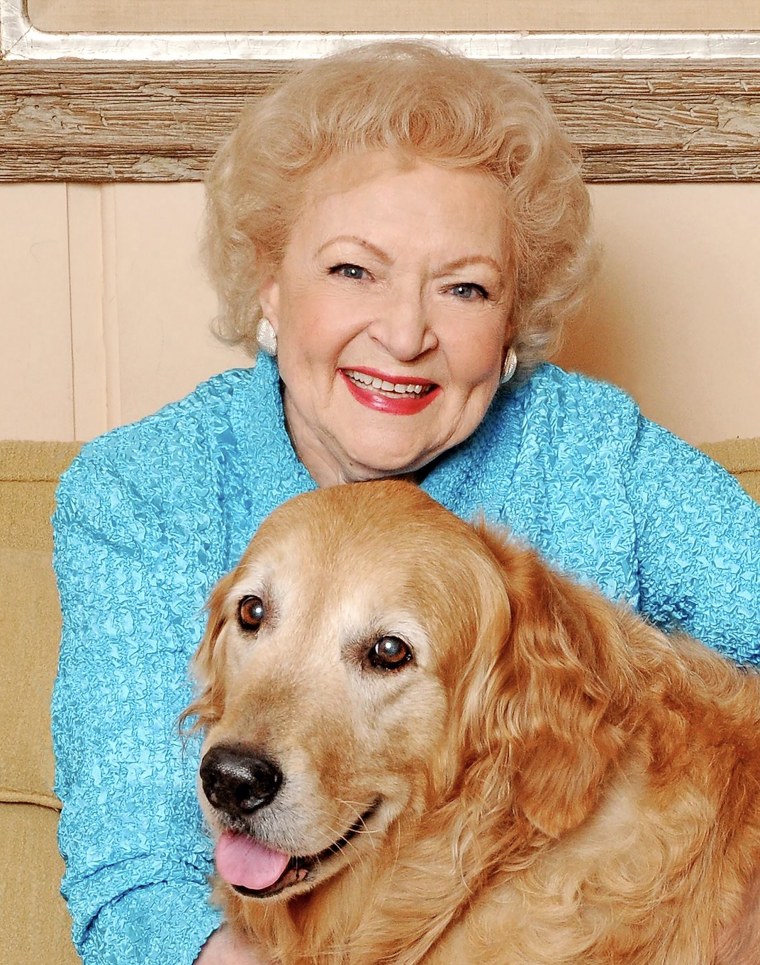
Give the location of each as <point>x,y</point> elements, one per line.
<point>131,107</point>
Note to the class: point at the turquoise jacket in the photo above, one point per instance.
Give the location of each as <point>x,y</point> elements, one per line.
<point>152,514</point>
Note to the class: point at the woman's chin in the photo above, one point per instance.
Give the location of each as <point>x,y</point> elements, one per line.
<point>378,457</point>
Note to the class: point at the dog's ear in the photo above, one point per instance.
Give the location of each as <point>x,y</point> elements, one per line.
<point>208,706</point>
<point>562,690</point>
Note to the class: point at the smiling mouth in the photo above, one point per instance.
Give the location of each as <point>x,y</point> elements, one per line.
<point>299,867</point>
<point>375,384</point>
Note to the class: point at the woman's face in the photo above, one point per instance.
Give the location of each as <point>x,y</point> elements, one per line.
<point>391,307</point>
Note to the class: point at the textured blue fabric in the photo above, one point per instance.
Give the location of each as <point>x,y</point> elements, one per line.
<point>152,514</point>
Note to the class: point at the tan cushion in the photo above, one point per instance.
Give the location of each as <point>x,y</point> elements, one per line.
<point>30,617</point>
<point>31,626</point>
<point>742,458</point>
<point>34,922</point>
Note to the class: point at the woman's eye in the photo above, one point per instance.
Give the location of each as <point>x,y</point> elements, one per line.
<point>250,612</point>
<point>355,272</point>
<point>469,290</point>
<point>390,653</point>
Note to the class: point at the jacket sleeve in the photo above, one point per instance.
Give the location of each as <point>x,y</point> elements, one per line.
<point>132,585</point>
<point>698,544</point>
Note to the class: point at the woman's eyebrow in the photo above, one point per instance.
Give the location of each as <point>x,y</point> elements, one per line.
<point>470,260</point>
<point>455,265</point>
<point>362,242</point>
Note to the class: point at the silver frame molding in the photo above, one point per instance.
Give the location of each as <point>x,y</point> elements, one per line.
<point>664,107</point>
<point>21,40</point>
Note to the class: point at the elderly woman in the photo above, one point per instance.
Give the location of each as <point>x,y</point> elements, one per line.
<point>402,233</point>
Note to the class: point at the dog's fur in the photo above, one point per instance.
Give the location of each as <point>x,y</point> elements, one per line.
<point>557,781</point>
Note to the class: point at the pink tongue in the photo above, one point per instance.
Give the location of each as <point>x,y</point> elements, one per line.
<point>244,862</point>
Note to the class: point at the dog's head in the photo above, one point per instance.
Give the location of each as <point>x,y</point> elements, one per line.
<point>373,657</point>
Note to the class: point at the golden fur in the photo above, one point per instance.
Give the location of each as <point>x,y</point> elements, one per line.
<point>558,781</point>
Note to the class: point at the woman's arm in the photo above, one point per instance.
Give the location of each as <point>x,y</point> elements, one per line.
<point>132,582</point>
<point>698,544</point>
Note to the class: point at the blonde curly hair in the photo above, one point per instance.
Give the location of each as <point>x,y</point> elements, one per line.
<point>420,101</point>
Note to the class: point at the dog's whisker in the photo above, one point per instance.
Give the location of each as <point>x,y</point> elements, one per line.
<point>358,807</point>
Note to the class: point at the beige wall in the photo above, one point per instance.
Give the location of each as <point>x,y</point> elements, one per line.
<point>105,309</point>
<point>675,316</point>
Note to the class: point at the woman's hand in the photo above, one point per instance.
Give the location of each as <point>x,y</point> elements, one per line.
<point>226,948</point>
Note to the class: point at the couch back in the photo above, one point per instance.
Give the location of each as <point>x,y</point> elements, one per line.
<point>34,923</point>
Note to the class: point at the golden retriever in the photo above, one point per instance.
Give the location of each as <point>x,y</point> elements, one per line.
<point>423,745</point>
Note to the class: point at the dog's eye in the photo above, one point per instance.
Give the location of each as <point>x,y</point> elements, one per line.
<point>250,612</point>
<point>390,653</point>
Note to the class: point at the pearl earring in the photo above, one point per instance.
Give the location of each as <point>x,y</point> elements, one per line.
<point>509,367</point>
<point>266,337</point>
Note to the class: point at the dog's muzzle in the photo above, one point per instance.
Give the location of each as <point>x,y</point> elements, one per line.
<point>238,781</point>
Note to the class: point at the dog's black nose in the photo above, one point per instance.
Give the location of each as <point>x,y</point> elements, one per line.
<point>238,781</point>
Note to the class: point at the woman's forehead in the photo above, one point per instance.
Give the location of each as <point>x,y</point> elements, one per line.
<point>372,196</point>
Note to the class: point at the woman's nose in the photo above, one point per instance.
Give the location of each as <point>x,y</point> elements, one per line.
<point>404,327</point>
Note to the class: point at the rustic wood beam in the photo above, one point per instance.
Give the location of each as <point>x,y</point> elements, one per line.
<point>69,120</point>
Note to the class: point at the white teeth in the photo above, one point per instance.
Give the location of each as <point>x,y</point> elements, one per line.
<point>384,386</point>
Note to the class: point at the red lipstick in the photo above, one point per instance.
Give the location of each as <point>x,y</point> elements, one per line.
<point>409,403</point>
